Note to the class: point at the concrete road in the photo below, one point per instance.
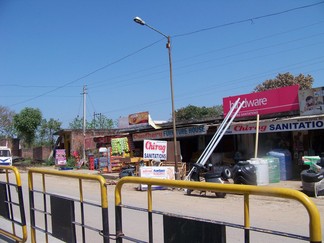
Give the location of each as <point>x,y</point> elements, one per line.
<point>270,213</point>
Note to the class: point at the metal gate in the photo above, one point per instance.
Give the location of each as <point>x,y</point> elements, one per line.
<point>11,204</point>
<point>62,216</point>
<point>183,221</point>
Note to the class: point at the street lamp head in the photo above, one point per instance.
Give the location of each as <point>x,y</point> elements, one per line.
<point>139,21</point>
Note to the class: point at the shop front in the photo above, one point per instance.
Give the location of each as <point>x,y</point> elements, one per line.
<point>292,121</point>
<point>300,135</point>
<point>190,139</point>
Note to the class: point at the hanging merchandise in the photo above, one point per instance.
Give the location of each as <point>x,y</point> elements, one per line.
<point>120,147</point>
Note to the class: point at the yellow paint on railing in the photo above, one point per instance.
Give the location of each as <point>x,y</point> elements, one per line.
<point>99,178</point>
<point>315,231</point>
<point>80,176</point>
<point>13,235</point>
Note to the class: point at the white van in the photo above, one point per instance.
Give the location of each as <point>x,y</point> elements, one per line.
<point>5,156</point>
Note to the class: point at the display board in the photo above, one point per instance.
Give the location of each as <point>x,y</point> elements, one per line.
<point>157,172</point>
<point>60,157</point>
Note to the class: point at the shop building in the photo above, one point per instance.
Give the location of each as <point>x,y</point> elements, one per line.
<point>282,124</point>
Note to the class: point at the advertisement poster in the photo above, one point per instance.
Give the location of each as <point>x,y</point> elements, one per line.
<point>138,118</point>
<point>157,172</point>
<point>155,150</point>
<point>311,101</point>
<point>266,102</point>
<point>60,157</point>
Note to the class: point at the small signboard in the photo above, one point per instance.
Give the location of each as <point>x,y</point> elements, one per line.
<point>311,101</point>
<point>60,157</point>
<point>157,172</point>
<point>155,150</point>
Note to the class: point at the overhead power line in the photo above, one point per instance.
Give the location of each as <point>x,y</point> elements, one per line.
<point>179,35</point>
<point>248,20</point>
<point>87,75</point>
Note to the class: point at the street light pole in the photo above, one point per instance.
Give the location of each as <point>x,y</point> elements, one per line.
<point>168,46</point>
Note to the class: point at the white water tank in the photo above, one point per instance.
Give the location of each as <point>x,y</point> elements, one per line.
<point>262,170</point>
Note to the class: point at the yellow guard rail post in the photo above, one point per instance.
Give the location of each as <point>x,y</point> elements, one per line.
<point>8,204</point>
<point>104,232</point>
<point>315,234</point>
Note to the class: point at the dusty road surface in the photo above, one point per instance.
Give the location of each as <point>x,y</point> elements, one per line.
<point>265,212</point>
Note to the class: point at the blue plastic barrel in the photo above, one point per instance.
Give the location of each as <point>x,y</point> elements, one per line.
<point>285,160</point>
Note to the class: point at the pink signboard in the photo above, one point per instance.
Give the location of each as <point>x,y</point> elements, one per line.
<point>266,102</point>
<point>60,157</point>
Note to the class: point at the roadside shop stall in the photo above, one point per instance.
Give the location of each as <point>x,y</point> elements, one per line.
<point>114,152</point>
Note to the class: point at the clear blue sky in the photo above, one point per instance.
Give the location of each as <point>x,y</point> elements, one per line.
<point>50,49</point>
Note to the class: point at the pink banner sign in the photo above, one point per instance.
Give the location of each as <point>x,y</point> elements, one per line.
<point>266,102</point>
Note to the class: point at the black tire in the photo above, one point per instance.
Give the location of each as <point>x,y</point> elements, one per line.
<point>226,174</point>
<point>311,176</point>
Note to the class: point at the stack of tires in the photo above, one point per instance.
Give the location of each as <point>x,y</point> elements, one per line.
<point>244,173</point>
<point>313,182</point>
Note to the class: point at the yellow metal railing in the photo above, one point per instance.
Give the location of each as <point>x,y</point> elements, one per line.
<point>104,232</point>
<point>315,234</point>
<point>11,204</point>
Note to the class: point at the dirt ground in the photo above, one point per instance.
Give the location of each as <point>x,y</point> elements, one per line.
<point>266,212</point>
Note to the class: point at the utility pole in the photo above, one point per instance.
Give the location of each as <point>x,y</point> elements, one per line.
<point>84,119</point>
<point>138,20</point>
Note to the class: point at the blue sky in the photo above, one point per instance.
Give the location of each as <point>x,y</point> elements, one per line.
<point>50,49</point>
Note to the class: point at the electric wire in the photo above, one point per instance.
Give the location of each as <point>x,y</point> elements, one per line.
<point>248,20</point>
<point>115,82</point>
<point>88,74</point>
<point>210,90</point>
<point>179,35</point>
<point>174,36</point>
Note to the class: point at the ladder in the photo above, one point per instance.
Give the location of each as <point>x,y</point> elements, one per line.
<point>218,135</point>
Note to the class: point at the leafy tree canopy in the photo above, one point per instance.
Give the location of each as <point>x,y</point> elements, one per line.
<point>6,122</point>
<point>192,112</point>
<point>26,123</point>
<point>77,123</point>
<point>46,130</point>
<point>286,79</point>
<point>100,122</point>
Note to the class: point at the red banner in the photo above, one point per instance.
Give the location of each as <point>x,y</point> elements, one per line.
<point>266,102</point>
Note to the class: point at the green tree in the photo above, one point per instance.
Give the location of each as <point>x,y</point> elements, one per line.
<point>77,123</point>
<point>286,79</point>
<point>192,112</point>
<point>46,130</point>
<point>6,122</point>
<point>101,122</point>
<point>26,123</point>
